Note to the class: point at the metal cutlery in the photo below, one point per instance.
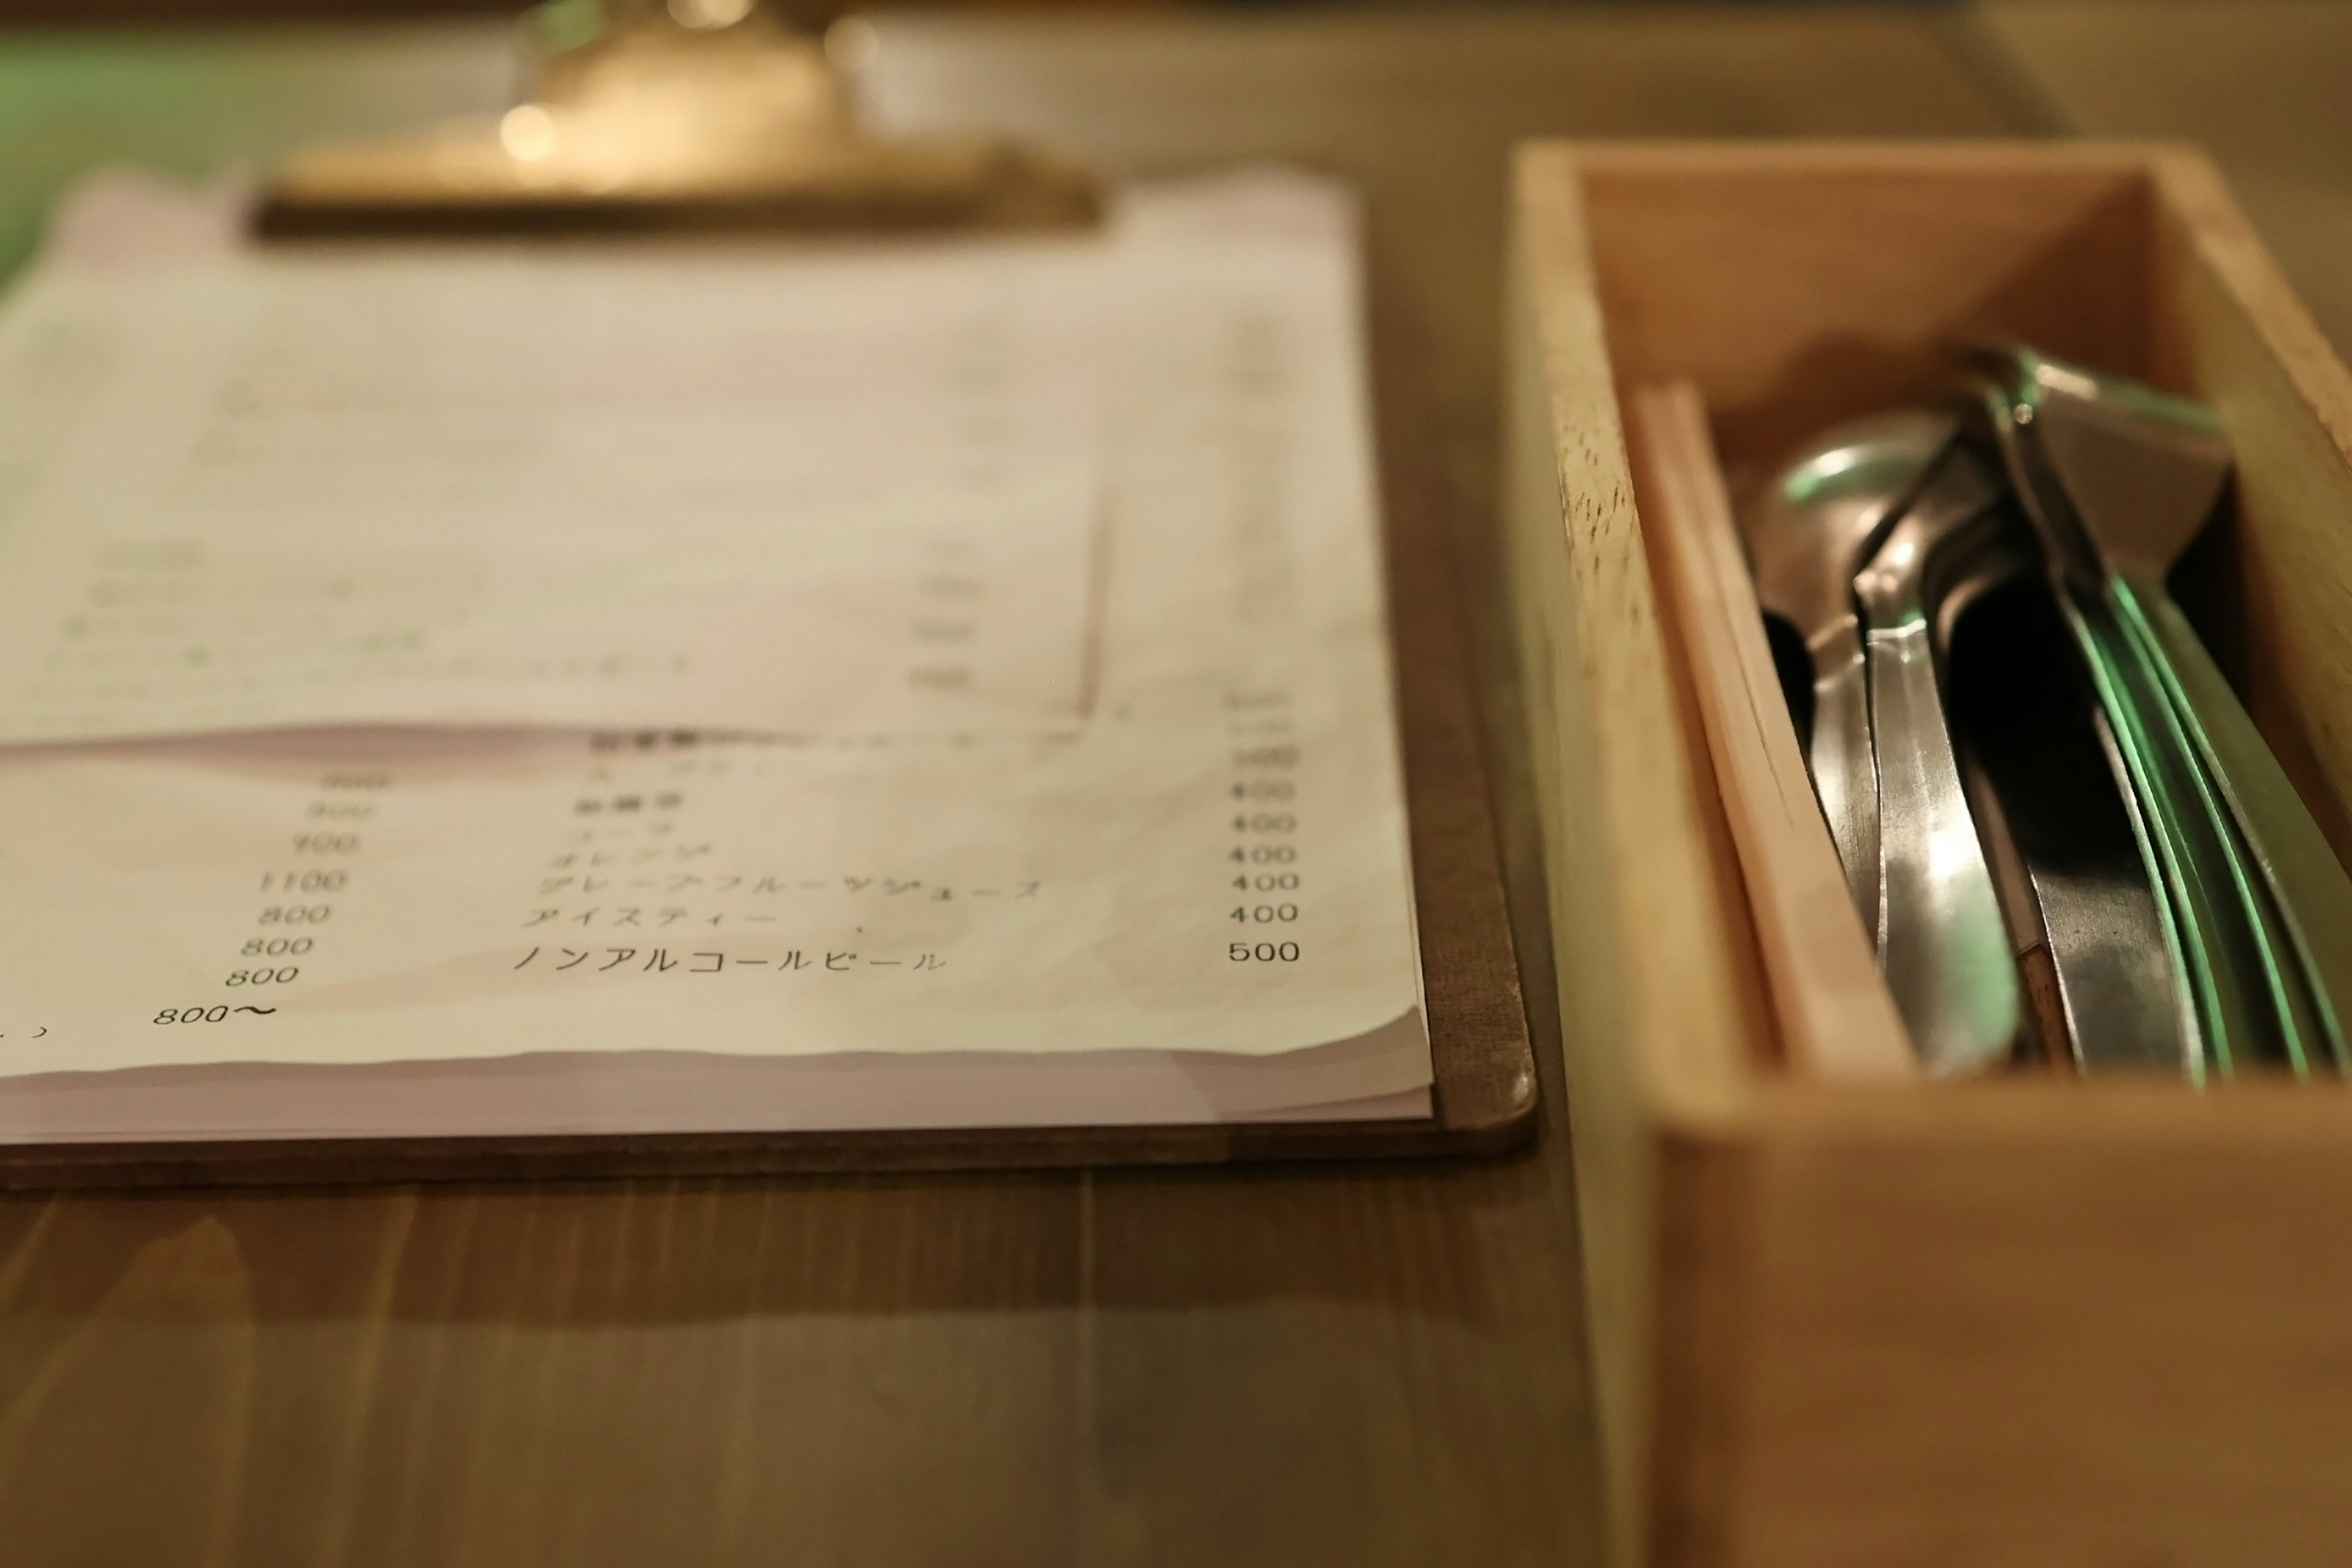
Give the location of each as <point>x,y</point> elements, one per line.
<point>2111,823</point>
<point>1942,943</point>
<point>1806,534</point>
<point>2055,788</point>
<point>2132,475</point>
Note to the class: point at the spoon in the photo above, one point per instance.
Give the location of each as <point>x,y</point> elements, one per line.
<point>2143,471</point>
<point>1806,535</point>
<point>2214,929</point>
<point>1942,943</point>
<point>2057,788</point>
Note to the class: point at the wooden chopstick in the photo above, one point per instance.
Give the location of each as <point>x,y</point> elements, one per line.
<point>1835,1015</point>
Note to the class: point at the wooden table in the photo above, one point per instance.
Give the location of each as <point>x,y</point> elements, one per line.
<point>1357,1366</point>
<point>2264,85</point>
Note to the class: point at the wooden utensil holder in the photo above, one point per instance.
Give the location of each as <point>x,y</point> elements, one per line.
<point>2032,1322</point>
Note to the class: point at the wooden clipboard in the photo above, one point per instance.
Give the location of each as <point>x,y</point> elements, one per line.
<point>1484,1090</point>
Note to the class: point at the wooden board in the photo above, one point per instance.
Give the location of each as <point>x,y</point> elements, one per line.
<point>2033,1321</point>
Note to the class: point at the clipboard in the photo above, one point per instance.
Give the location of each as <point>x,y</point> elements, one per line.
<point>1484,1090</point>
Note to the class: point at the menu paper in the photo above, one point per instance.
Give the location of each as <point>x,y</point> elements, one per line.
<point>736,685</point>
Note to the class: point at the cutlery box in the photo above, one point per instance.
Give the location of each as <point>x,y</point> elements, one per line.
<point>2029,1321</point>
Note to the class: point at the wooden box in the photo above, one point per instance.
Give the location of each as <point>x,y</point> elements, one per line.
<point>2035,1323</point>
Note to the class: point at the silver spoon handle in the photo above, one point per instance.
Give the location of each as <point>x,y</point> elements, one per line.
<point>2220,946</point>
<point>1844,779</point>
<point>2306,882</point>
<point>1942,943</point>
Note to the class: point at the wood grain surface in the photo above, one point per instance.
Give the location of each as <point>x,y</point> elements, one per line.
<point>1364,1366</point>
<point>2265,86</point>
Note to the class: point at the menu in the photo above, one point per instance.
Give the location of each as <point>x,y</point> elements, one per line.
<point>512,689</point>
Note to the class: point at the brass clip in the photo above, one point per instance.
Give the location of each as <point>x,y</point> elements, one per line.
<point>699,114</point>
